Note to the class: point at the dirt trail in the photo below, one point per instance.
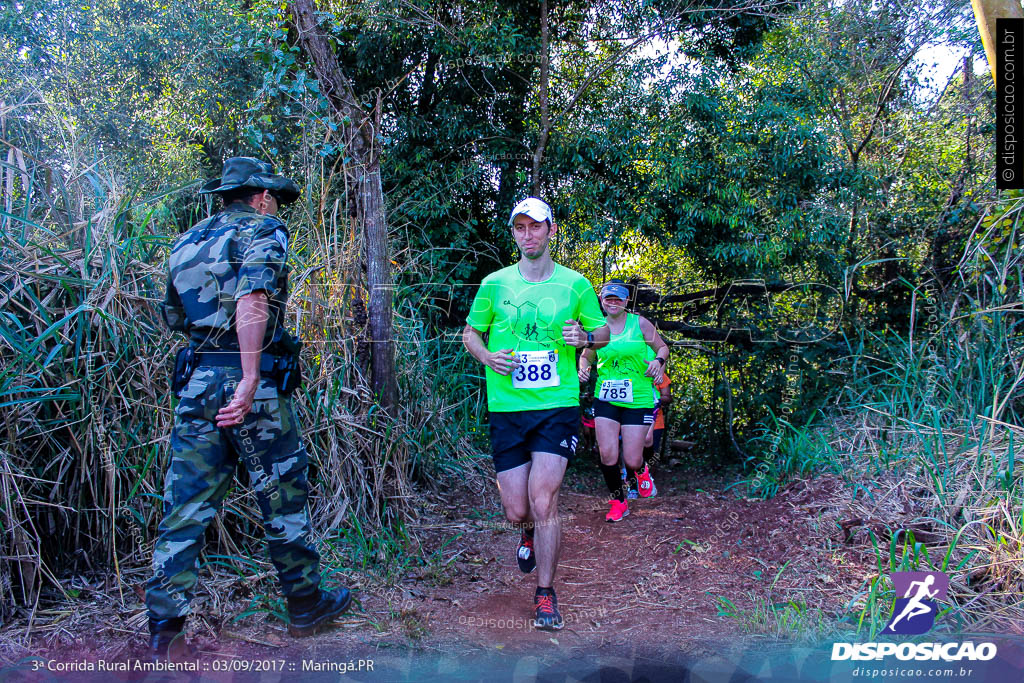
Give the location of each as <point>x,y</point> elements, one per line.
<point>648,583</point>
<point>652,578</point>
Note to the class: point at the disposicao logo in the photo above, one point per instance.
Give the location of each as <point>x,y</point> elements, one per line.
<point>912,615</point>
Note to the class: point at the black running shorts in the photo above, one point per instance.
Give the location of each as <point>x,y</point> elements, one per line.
<point>624,416</point>
<point>514,436</point>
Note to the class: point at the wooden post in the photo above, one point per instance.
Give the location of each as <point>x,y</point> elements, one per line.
<point>378,280</point>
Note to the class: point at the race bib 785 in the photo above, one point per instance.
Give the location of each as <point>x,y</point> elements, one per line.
<point>620,390</point>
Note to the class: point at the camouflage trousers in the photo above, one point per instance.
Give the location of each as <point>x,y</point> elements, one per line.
<point>202,464</point>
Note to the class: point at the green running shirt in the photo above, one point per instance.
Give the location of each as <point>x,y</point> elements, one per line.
<point>625,357</point>
<point>528,317</point>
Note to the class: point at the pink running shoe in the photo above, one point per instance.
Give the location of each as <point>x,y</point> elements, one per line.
<point>646,484</point>
<point>618,510</point>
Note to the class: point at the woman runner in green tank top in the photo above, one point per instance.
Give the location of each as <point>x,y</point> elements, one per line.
<point>623,399</point>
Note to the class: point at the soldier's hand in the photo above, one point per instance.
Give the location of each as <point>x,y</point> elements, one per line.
<point>241,403</point>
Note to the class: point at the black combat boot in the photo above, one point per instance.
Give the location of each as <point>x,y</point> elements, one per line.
<point>167,640</point>
<point>309,614</point>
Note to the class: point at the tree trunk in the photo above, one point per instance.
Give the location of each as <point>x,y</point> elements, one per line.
<point>545,116</point>
<point>370,205</point>
<point>358,130</point>
<point>940,261</point>
<point>986,12</point>
<point>853,276</point>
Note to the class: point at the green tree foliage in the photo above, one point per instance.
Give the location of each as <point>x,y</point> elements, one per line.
<point>914,152</point>
<point>154,88</point>
<point>692,146</point>
<point>457,84</point>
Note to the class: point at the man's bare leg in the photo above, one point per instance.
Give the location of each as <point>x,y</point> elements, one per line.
<point>513,485</point>
<point>545,480</point>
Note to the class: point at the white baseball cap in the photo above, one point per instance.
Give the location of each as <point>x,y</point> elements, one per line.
<point>534,208</point>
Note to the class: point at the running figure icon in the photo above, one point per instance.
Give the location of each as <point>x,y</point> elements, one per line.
<point>915,612</point>
<point>915,607</point>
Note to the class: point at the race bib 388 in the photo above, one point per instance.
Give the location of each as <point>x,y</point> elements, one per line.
<point>536,370</point>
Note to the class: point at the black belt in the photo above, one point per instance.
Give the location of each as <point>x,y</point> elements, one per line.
<point>233,359</point>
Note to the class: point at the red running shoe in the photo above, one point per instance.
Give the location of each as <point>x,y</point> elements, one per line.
<point>646,484</point>
<point>619,509</point>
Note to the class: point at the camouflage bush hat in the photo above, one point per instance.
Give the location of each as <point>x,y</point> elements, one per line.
<point>249,172</point>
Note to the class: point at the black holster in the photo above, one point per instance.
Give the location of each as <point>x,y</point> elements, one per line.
<point>288,367</point>
<point>184,366</point>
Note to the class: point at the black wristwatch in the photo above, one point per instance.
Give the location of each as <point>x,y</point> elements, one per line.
<point>590,341</point>
<point>660,360</point>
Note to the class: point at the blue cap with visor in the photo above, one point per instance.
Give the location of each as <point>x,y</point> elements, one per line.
<point>614,289</point>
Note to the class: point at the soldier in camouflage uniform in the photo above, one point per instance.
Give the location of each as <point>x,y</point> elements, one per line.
<point>227,289</point>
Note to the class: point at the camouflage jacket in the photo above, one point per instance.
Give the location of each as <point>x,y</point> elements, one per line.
<point>218,261</point>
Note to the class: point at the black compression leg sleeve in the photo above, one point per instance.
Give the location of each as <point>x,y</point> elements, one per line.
<point>613,478</point>
<point>648,454</point>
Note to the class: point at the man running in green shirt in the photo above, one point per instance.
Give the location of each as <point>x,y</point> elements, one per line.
<point>535,314</point>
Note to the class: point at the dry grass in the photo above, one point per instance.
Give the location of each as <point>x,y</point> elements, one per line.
<point>84,359</point>
<point>960,516</point>
<point>926,434</point>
